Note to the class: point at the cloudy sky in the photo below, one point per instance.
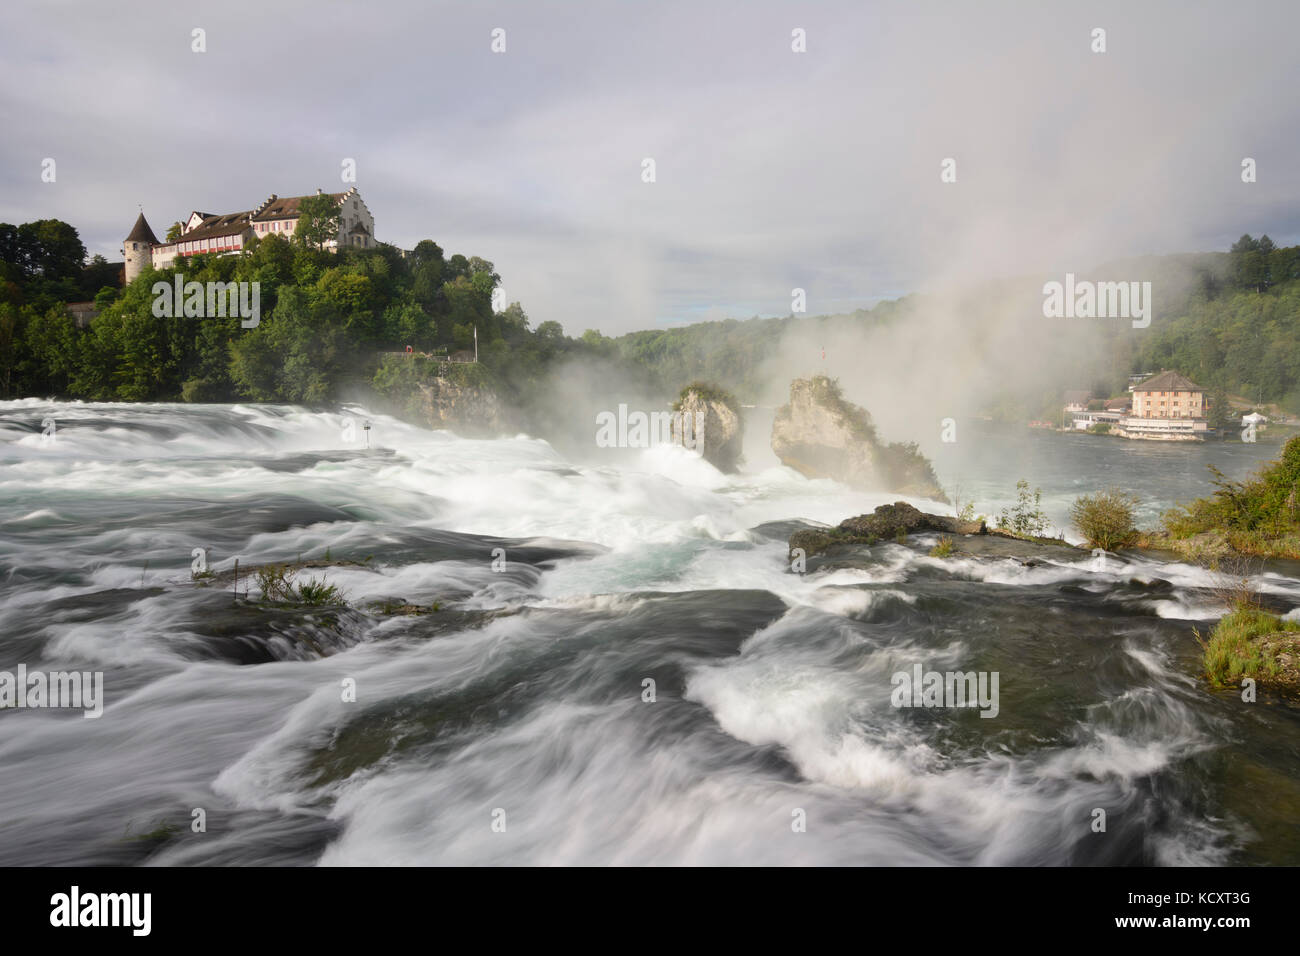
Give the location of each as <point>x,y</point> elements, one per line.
<point>774,169</point>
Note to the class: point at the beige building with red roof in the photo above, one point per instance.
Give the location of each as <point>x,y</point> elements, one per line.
<point>207,233</point>
<point>1168,407</point>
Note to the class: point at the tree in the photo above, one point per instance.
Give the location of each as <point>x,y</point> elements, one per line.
<point>456,267</point>
<point>48,248</point>
<point>174,231</point>
<point>318,221</point>
<point>514,322</point>
<point>469,303</point>
<point>1219,413</point>
<point>10,334</point>
<point>98,274</point>
<point>479,266</point>
<point>426,250</point>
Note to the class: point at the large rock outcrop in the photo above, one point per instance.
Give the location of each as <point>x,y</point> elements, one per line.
<point>462,408</point>
<point>708,419</point>
<point>461,396</point>
<point>821,435</point>
<point>886,523</point>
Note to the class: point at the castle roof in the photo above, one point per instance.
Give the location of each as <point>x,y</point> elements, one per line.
<point>286,207</point>
<point>1169,382</point>
<point>141,232</point>
<point>231,224</point>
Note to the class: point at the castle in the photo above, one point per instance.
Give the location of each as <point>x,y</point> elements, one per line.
<point>204,232</point>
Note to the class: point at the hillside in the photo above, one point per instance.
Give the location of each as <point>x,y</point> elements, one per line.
<point>1229,320</point>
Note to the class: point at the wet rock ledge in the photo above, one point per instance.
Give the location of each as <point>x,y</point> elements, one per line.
<point>886,523</point>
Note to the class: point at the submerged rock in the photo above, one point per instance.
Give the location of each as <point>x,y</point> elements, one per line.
<point>820,435</point>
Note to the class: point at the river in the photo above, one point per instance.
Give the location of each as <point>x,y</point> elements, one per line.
<point>622,669</point>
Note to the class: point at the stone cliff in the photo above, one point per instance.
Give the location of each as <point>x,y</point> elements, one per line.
<point>820,434</point>
<point>708,419</point>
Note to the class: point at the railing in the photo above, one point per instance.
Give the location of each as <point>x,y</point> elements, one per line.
<point>440,355</point>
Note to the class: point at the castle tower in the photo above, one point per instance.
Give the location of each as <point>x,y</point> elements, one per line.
<point>136,248</point>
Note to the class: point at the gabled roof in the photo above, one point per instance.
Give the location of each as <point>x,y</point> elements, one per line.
<point>213,227</point>
<point>141,232</point>
<point>286,207</point>
<point>1169,382</point>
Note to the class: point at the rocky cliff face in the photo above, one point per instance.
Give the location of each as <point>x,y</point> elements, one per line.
<point>465,409</point>
<point>462,397</point>
<point>709,420</point>
<point>821,435</point>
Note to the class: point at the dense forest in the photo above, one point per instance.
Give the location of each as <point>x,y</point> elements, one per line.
<point>1230,321</point>
<point>1239,329</point>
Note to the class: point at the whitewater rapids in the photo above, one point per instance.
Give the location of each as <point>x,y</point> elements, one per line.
<point>515,725</point>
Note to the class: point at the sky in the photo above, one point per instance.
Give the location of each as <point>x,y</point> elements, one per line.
<point>773,169</point>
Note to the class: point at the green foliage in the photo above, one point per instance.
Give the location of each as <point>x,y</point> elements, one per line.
<point>826,392</point>
<point>327,316</point>
<point>963,507</point>
<point>944,548</point>
<point>1235,650</point>
<point>317,592</point>
<point>1219,414</point>
<point>1105,519</point>
<point>709,393</point>
<point>907,469</point>
<point>275,581</point>
<point>277,584</point>
<point>48,248</point>
<point>1267,505</point>
<point>1240,336</point>
<point>1026,517</point>
<point>318,221</point>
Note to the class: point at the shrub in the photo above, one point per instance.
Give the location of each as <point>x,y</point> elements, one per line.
<point>963,506</point>
<point>201,390</point>
<point>1026,519</point>
<point>318,592</point>
<point>1265,506</point>
<point>943,549</point>
<point>1105,519</point>
<point>275,581</point>
<point>707,392</point>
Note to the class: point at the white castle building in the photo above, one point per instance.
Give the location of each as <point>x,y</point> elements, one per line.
<point>204,232</point>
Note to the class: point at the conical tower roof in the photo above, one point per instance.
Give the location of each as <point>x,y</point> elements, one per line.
<point>141,232</point>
